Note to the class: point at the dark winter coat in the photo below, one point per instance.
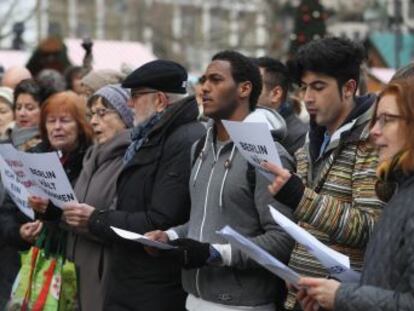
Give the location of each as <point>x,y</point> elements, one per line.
<point>152,192</point>
<point>387,282</point>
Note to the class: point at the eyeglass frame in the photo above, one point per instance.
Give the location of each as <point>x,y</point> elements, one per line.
<point>136,94</point>
<point>382,121</point>
<point>100,113</point>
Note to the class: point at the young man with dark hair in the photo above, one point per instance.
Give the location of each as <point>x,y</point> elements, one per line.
<point>333,194</point>
<point>276,83</point>
<point>217,276</point>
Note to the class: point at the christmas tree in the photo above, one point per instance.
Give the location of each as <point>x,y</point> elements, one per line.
<point>309,24</point>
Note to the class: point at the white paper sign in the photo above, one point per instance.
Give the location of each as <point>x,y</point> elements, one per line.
<point>337,264</point>
<point>49,175</point>
<point>14,160</point>
<point>254,142</point>
<point>259,255</point>
<point>16,190</point>
<point>142,239</point>
<point>41,173</point>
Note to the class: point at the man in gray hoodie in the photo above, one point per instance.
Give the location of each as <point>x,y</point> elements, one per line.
<point>216,275</point>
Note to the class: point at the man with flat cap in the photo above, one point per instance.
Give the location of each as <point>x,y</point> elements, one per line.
<point>152,189</point>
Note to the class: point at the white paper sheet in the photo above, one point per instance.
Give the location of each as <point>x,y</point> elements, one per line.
<point>254,142</point>
<point>49,175</point>
<point>16,190</point>
<point>336,263</point>
<point>142,239</point>
<point>42,174</point>
<point>259,255</point>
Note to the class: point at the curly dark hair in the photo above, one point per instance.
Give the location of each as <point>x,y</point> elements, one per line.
<point>339,58</point>
<point>243,69</point>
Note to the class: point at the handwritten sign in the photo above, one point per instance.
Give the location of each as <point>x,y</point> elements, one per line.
<point>254,142</point>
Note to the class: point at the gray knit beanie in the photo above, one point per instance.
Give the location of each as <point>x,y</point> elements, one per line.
<point>118,98</point>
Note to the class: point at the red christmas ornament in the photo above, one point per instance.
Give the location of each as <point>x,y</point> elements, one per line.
<point>306,18</point>
<point>301,38</point>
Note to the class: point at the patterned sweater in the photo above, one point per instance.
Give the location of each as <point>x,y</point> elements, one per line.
<point>339,205</point>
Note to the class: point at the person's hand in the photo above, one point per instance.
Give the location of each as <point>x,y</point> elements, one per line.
<point>30,231</point>
<point>307,303</point>
<point>321,290</point>
<point>87,45</point>
<point>282,176</point>
<point>156,235</point>
<point>38,204</point>
<point>77,214</point>
<point>191,254</point>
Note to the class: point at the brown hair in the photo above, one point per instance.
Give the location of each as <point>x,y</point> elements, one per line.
<point>403,90</point>
<point>71,103</point>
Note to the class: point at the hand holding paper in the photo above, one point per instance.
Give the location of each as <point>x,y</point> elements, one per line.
<point>336,263</point>
<point>38,204</point>
<point>77,214</point>
<point>259,255</point>
<point>142,239</point>
<point>281,176</point>
<point>254,142</point>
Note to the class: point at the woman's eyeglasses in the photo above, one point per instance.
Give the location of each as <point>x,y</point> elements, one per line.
<point>100,112</point>
<point>385,118</point>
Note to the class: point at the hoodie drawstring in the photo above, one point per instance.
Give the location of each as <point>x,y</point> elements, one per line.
<point>202,155</point>
<point>227,165</point>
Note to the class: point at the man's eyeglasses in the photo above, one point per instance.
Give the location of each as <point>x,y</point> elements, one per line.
<point>136,94</point>
<point>385,118</point>
<point>100,112</point>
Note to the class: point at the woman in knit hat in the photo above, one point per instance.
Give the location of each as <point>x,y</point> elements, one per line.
<point>110,118</point>
<point>6,110</point>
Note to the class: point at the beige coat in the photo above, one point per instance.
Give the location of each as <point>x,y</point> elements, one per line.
<point>96,186</point>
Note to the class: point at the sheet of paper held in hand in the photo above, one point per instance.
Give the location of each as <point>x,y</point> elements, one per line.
<point>13,159</point>
<point>254,142</point>
<point>48,173</point>
<point>336,263</point>
<point>142,239</point>
<point>41,173</point>
<point>259,255</point>
<point>16,190</point>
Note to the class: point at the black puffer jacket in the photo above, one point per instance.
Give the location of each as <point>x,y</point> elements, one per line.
<point>152,192</point>
<point>387,282</point>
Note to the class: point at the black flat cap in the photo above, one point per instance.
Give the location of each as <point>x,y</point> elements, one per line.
<point>161,75</point>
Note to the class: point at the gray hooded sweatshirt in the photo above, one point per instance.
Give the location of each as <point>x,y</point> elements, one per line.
<point>221,195</point>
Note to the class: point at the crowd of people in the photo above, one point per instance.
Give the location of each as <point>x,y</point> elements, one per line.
<point>144,155</point>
